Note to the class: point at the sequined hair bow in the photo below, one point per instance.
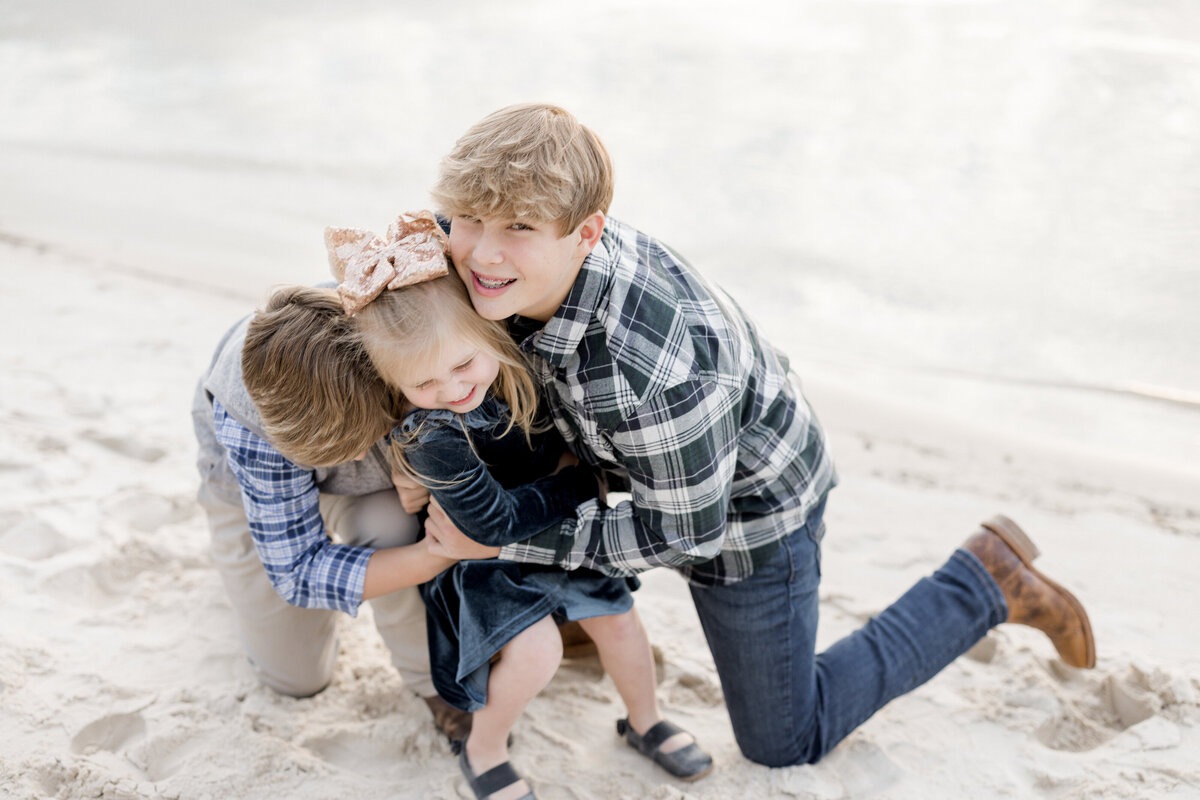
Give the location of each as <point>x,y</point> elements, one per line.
<point>365,264</point>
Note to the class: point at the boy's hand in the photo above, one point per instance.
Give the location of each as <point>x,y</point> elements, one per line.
<point>449,541</point>
<point>413,496</point>
<point>568,459</point>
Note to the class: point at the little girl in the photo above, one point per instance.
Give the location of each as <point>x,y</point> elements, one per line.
<point>470,437</point>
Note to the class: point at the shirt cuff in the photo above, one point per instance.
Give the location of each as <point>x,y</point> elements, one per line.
<point>554,546</point>
<point>357,583</point>
<point>343,577</point>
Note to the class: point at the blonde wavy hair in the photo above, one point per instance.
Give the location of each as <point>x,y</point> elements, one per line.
<point>527,162</point>
<point>321,400</point>
<point>407,326</point>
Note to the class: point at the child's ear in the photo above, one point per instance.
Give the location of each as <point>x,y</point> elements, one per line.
<point>589,232</point>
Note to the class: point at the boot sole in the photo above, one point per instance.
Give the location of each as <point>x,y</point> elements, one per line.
<point>1027,551</point>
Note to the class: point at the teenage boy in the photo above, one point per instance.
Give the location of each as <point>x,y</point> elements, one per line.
<point>662,380</point>
<point>289,417</point>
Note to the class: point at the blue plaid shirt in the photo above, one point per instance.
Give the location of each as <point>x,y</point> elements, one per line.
<point>280,498</point>
<point>656,376</point>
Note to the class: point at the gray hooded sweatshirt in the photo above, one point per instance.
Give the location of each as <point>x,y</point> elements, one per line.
<point>223,381</point>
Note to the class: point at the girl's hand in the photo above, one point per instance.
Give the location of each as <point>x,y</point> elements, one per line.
<point>449,541</point>
<point>413,496</point>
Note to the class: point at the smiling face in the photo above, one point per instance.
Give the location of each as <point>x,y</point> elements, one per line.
<point>519,267</point>
<point>455,376</point>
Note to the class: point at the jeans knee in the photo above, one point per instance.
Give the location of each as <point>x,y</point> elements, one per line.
<point>802,747</point>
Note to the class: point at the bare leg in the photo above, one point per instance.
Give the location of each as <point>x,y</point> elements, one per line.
<point>625,653</point>
<point>526,665</point>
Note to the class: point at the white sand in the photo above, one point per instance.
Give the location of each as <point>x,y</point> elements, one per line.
<point>121,675</point>
<point>1008,188</point>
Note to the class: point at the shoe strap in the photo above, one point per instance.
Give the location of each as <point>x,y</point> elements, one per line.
<point>494,780</point>
<point>654,738</point>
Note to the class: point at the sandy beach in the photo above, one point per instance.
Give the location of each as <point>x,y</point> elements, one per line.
<point>971,225</point>
<point>122,677</point>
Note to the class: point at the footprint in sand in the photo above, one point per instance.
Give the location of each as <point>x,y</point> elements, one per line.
<point>147,512</point>
<point>1136,700</point>
<point>12,465</point>
<point>863,769</point>
<point>358,752</point>
<point>54,777</point>
<point>984,651</point>
<point>50,776</point>
<point>127,446</point>
<point>162,756</point>
<point>86,586</point>
<point>692,688</point>
<point>107,580</point>
<point>112,733</point>
<point>80,405</point>
<point>811,784</point>
<point>27,537</point>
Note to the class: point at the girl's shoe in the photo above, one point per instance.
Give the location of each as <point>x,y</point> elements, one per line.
<point>492,781</point>
<point>688,763</point>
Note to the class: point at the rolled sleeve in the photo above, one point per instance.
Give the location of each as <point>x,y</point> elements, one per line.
<point>281,501</point>
<point>481,507</point>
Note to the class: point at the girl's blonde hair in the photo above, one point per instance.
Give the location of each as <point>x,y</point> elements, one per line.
<point>408,325</point>
<point>533,161</point>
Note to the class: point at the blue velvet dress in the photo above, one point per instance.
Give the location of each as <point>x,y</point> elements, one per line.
<point>497,489</point>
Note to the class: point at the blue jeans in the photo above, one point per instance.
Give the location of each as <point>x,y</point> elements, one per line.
<point>790,706</point>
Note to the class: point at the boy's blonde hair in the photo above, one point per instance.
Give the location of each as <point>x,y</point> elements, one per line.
<point>527,162</point>
<point>408,325</point>
<point>321,400</point>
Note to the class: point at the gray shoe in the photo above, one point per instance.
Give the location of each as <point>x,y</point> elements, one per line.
<point>688,763</point>
<point>492,781</point>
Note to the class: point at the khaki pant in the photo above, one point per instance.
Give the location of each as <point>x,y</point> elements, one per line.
<point>292,650</point>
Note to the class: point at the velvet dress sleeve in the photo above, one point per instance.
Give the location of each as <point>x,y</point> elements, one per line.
<point>480,505</point>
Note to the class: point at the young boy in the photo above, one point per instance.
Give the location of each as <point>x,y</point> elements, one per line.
<point>660,379</point>
<point>289,449</point>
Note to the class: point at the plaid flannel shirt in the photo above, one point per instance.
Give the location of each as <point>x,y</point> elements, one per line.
<point>657,376</point>
<point>281,500</point>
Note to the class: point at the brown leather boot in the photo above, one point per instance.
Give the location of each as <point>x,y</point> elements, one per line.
<point>1033,599</point>
<point>576,642</point>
